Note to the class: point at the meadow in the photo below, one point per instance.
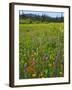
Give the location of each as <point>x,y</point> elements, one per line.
<point>41,50</point>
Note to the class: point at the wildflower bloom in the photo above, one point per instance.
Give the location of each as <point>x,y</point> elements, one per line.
<point>35,53</point>
<point>45,57</point>
<point>50,65</point>
<point>41,74</point>
<point>34,75</point>
<point>30,69</point>
<point>60,73</point>
<point>33,62</point>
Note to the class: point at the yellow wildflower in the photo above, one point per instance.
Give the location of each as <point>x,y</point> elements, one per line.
<point>60,73</point>
<point>50,65</point>
<point>34,75</point>
<point>41,75</point>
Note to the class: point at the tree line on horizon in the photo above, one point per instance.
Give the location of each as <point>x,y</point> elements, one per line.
<point>33,18</point>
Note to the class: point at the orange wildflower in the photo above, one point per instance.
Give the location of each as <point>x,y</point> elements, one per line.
<point>30,69</point>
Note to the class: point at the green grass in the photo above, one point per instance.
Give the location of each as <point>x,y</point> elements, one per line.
<point>41,50</point>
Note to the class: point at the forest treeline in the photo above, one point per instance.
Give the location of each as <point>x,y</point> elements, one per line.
<point>33,18</point>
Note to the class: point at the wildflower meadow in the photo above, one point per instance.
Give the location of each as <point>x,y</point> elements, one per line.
<point>41,48</point>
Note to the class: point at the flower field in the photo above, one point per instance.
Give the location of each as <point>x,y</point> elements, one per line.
<point>41,50</point>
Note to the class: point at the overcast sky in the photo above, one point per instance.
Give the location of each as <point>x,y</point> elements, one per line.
<point>51,14</point>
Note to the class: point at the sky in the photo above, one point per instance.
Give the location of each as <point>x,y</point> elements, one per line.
<point>51,14</point>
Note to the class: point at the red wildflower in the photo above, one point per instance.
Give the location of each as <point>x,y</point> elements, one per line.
<point>33,62</point>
